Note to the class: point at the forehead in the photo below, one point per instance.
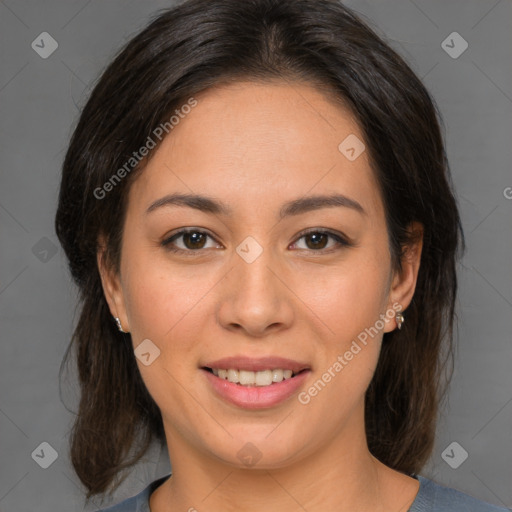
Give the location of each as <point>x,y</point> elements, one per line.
<point>259,142</point>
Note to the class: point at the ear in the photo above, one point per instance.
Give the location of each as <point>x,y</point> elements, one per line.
<point>111,284</point>
<point>404,281</point>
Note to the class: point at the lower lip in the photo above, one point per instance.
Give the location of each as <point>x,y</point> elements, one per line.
<point>256,397</point>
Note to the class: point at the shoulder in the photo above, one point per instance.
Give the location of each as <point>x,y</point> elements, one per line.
<point>139,502</point>
<point>433,497</point>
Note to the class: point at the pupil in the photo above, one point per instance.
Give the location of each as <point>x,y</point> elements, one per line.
<point>316,237</point>
<point>195,238</point>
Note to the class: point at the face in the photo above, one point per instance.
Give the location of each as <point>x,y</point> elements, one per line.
<point>263,271</point>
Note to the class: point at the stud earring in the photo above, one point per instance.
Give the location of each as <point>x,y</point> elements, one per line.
<point>399,320</point>
<point>118,322</point>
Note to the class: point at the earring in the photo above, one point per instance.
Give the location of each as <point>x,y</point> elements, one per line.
<point>118,322</point>
<point>399,320</point>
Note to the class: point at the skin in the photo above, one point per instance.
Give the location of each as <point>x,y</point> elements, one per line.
<point>255,146</point>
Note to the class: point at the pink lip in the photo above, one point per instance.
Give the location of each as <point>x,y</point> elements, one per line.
<point>257,364</point>
<point>256,397</point>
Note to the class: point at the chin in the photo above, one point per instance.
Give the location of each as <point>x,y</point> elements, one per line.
<point>258,450</point>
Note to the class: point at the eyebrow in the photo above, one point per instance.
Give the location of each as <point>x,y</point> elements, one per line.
<point>290,208</point>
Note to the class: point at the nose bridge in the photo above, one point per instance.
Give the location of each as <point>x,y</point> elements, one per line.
<point>254,280</point>
<point>254,298</point>
<point>251,251</point>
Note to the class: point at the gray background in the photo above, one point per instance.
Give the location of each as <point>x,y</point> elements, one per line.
<point>39,102</point>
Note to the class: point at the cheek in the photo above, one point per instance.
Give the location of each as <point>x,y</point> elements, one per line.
<point>347,298</point>
<point>165,306</point>
<point>349,302</point>
<point>159,296</point>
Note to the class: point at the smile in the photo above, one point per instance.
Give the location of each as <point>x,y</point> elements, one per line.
<point>257,392</point>
<point>250,378</point>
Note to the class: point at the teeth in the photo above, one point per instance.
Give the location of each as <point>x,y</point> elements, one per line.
<point>277,375</point>
<point>233,375</point>
<point>248,378</point>
<point>263,378</point>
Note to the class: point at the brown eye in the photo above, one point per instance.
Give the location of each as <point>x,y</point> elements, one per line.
<point>318,241</point>
<point>192,240</point>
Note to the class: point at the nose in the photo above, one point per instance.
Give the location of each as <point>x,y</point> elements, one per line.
<point>255,298</point>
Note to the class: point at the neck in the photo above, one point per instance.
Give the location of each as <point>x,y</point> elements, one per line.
<point>341,475</point>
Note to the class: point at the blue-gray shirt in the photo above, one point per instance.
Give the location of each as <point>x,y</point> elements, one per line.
<point>431,497</point>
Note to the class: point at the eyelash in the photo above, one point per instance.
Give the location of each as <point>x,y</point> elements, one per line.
<point>340,239</point>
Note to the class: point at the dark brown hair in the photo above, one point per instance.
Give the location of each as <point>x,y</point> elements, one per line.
<point>188,49</point>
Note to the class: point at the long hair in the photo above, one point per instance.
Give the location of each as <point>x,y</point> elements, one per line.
<point>197,45</point>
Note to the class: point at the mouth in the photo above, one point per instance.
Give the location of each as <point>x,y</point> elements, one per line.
<point>248,378</point>
<point>255,383</point>
<point>252,390</point>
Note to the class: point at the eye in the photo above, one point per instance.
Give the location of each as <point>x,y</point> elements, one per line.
<point>317,240</point>
<point>193,240</point>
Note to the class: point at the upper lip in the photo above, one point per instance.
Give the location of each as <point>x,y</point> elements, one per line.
<point>257,364</point>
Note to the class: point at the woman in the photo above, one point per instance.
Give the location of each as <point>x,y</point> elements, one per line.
<point>257,210</point>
